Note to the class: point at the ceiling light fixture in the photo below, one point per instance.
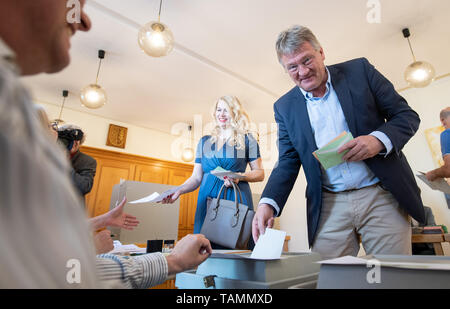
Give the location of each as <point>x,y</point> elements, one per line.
<point>59,120</point>
<point>94,96</point>
<point>155,38</point>
<point>188,152</point>
<point>418,74</point>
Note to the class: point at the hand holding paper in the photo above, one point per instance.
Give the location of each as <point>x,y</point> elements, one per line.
<point>170,196</point>
<point>439,184</point>
<point>361,148</point>
<point>155,197</point>
<point>269,245</point>
<point>220,173</point>
<point>328,155</point>
<point>345,148</point>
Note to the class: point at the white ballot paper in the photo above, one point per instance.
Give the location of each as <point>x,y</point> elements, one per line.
<point>439,184</point>
<point>122,249</point>
<point>150,198</point>
<point>155,197</point>
<point>222,174</point>
<point>269,245</point>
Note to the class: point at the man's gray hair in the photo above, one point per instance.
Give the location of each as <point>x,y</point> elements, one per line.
<point>69,126</point>
<point>291,39</point>
<point>445,113</point>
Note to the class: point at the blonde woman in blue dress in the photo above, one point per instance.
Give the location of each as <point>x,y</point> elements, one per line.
<point>231,147</point>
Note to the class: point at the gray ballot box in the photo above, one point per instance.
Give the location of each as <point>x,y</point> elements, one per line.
<point>387,272</point>
<point>238,271</point>
<point>156,220</point>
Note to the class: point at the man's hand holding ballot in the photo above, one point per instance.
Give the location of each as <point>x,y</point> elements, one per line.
<point>361,148</point>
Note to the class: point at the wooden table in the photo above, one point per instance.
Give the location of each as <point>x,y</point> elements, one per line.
<point>435,239</point>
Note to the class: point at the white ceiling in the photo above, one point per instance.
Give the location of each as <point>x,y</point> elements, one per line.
<point>227,47</point>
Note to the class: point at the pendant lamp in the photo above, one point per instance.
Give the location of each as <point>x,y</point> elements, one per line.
<point>155,38</point>
<point>94,96</point>
<point>418,74</point>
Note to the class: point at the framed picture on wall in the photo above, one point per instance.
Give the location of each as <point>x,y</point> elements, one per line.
<point>433,136</point>
<point>117,136</point>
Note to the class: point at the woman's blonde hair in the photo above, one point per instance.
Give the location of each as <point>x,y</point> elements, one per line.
<point>239,122</point>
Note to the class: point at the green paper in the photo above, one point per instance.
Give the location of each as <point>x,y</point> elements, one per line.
<point>328,155</point>
<point>220,169</point>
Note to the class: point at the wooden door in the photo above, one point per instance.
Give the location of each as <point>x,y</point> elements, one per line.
<point>109,173</point>
<point>152,173</point>
<point>188,202</point>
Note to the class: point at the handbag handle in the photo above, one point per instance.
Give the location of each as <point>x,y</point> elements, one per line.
<point>235,218</point>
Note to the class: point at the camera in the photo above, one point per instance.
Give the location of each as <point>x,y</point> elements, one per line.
<point>67,137</point>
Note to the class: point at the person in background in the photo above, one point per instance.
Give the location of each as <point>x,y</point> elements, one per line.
<point>444,170</point>
<point>83,165</point>
<point>373,192</point>
<point>43,228</point>
<point>113,218</point>
<point>231,147</point>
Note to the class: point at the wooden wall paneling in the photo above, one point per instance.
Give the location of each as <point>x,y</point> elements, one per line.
<point>90,197</point>
<point>152,173</point>
<point>192,208</point>
<point>183,232</point>
<point>112,166</point>
<point>109,174</point>
<point>176,178</point>
<point>169,284</point>
<point>188,202</point>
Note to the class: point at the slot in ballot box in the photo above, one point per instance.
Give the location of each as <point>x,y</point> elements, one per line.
<point>239,271</point>
<point>385,272</point>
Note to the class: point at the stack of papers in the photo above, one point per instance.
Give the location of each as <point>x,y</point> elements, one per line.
<point>126,249</point>
<point>328,155</point>
<point>439,184</point>
<point>155,197</point>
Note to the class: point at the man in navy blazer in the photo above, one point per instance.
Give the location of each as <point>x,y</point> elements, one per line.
<point>371,195</point>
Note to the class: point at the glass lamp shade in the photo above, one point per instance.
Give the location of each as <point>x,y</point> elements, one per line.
<point>156,39</point>
<point>419,74</point>
<point>93,96</point>
<point>187,155</point>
